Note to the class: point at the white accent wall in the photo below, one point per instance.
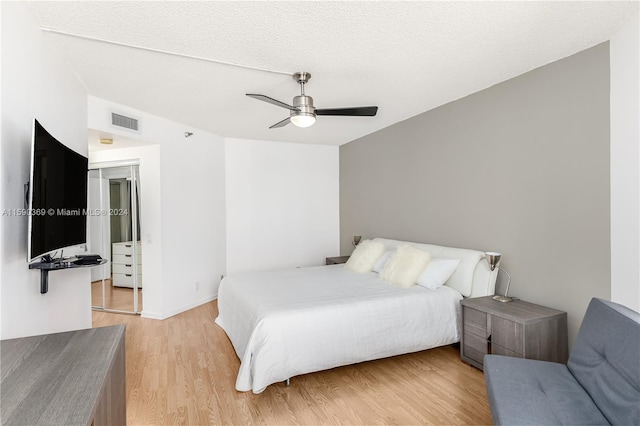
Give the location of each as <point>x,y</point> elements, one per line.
<point>183,226</point>
<point>625,165</point>
<point>35,83</point>
<point>282,204</point>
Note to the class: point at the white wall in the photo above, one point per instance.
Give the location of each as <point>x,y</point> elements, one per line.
<point>35,83</point>
<point>222,207</point>
<point>625,161</point>
<point>2,163</point>
<point>191,210</point>
<point>282,204</point>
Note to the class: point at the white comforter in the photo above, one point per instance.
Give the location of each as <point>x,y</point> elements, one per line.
<point>289,322</point>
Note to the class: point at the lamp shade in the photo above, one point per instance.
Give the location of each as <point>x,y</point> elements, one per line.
<point>303,119</point>
<point>493,258</point>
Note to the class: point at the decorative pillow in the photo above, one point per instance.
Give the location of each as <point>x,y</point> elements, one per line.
<point>365,256</point>
<point>382,261</point>
<point>405,266</point>
<point>437,273</point>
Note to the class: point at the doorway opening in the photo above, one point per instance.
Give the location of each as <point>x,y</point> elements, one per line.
<point>114,229</point>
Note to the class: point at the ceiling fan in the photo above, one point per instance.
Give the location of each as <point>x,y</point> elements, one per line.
<point>303,113</point>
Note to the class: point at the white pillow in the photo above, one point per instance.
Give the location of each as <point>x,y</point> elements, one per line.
<point>437,273</point>
<point>382,261</point>
<point>365,256</point>
<point>405,266</point>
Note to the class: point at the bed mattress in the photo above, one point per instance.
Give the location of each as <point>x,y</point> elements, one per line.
<point>290,322</point>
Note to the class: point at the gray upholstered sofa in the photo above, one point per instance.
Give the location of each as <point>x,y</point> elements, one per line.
<point>599,385</point>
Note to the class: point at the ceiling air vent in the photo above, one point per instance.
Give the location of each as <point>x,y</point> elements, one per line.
<point>124,121</point>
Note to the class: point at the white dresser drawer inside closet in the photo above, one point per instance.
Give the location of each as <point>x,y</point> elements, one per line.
<point>126,247</point>
<point>124,262</point>
<point>126,259</point>
<point>125,268</point>
<point>126,280</point>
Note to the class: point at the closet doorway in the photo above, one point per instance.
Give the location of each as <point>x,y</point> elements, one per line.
<point>114,230</point>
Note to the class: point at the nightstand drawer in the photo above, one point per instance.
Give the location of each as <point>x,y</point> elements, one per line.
<point>475,322</point>
<point>474,347</point>
<point>499,350</point>
<point>507,334</point>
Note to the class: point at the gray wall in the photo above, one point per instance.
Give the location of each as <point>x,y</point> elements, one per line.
<point>521,168</point>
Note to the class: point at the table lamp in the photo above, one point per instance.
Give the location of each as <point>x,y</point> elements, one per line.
<point>493,259</point>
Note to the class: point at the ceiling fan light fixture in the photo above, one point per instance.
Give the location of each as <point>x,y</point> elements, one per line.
<point>302,112</point>
<point>303,119</point>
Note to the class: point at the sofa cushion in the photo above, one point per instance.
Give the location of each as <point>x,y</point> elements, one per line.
<point>605,359</point>
<point>527,392</point>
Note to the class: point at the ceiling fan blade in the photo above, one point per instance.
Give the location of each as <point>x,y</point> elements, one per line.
<point>368,111</point>
<point>281,123</point>
<point>272,101</point>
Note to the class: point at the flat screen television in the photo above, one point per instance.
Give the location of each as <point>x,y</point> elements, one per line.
<point>57,196</point>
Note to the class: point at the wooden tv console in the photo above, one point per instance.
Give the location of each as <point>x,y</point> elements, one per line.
<point>71,378</point>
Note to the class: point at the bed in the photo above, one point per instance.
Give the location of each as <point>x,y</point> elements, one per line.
<point>285,323</point>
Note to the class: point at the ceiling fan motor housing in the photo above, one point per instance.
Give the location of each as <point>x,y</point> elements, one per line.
<point>304,104</point>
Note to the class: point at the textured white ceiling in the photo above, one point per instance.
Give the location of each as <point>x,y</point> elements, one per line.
<point>405,57</point>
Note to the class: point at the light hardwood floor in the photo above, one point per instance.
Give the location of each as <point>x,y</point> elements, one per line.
<point>182,371</point>
<point>118,298</point>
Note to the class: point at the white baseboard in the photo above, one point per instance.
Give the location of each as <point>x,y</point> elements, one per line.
<point>151,315</point>
<point>161,316</point>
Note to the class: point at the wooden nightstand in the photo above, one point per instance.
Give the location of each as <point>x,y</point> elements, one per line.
<point>336,260</point>
<point>517,328</point>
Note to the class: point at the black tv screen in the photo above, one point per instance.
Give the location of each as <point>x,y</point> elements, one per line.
<point>57,196</point>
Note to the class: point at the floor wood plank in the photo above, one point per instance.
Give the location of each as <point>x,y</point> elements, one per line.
<point>118,298</point>
<point>182,371</point>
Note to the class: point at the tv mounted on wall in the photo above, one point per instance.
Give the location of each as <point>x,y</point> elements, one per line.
<point>57,196</point>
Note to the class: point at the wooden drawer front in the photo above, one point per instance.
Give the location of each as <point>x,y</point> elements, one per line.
<point>499,350</point>
<point>474,347</point>
<point>508,335</point>
<point>475,322</point>
<point>125,280</point>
